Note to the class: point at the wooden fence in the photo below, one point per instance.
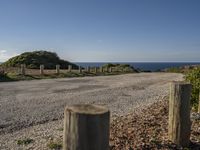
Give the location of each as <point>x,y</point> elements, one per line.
<point>23,70</point>
<point>86,127</point>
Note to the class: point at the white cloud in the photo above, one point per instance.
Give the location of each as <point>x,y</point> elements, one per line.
<point>5,55</point>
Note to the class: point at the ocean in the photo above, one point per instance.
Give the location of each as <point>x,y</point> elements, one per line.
<point>145,66</point>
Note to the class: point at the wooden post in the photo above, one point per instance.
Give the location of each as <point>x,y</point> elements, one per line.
<point>41,69</point>
<point>95,69</point>
<point>23,69</point>
<point>106,69</point>
<point>86,127</point>
<point>110,69</point>
<point>57,69</point>
<point>199,104</point>
<point>69,68</point>
<point>101,69</point>
<point>80,69</point>
<point>179,113</point>
<point>88,69</point>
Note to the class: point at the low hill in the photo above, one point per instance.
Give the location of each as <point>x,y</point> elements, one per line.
<point>182,69</point>
<point>127,67</point>
<point>34,59</point>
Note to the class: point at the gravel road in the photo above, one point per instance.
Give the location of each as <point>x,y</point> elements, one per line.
<point>27,103</point>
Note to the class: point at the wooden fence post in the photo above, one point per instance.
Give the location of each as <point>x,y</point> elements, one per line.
<point>106,69</point>
<point>88,69</point>
<point>23,69</point>
<point>80,69</point>
<point>41,69</point>
<point>179,113</point>
<point>86,127</point>
<point>101,69</point>
<point>57,69</point>
<point>199,104</point>
<point>110,69</point>
<point>95,69</point>
<point>69,68</point>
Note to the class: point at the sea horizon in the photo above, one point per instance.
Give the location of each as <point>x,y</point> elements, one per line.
<point>145,66</point>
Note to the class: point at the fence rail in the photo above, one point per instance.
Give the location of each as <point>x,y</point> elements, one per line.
<point>23,70</point>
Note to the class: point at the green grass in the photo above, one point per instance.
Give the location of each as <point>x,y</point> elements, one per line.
<point>54,145</point>
<point>24,141</point>
<point>16,77</point>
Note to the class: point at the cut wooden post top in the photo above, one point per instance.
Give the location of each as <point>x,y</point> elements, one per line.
<point>180,82</point>
<point>88,109</point>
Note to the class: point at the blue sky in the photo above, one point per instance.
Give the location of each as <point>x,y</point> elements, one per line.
<point>102,30</point>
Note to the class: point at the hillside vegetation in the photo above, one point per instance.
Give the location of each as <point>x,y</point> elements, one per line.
<point>193,77</point>
<point>117,67</point>
<point>34,59</point>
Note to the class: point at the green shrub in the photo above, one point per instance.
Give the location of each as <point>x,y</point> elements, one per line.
<point>34,59</point>
<point>24,141</point>
<point>125,67</point>
<point>194,78</point>
<point>54,145</point>
<point>2,73</point>
<point>174,69</point>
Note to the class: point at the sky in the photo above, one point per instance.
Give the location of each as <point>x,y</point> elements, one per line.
<point>102,30</point>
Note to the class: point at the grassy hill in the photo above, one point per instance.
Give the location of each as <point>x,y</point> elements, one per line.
<point>125,67</point>
<point>34,59</point>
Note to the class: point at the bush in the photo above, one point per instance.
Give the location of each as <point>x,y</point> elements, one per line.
<point>54,145</point>
<point>24,141</point>
<point>34,59</point>
<point>194,78</point>
<point>2,73</point>
<point>126,67</point>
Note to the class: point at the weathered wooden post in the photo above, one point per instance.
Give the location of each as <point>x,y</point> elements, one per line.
<point>106,69</point>
<point>179,113</point>
<point>23,69</point>
<point>69,68</point>
<point>110,69</point>
<point>41,69</point>
<point>57,69</point>
<point>80,69</point>
<point>88,69</point>
<point>199,104</point>
<point>101,69</point>
<point>86,127</point>
<point>95,69</point>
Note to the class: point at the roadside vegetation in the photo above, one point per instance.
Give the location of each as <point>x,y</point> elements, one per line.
<point>25,141</point>
<point>34,74</point>
<point>54,145</point>
<point>193,77</point>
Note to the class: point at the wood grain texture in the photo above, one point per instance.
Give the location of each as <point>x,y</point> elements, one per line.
<point>179,113</point>
<point>86,127</point>
<point>199,104</point>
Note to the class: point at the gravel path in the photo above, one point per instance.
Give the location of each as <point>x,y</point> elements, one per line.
<point>28,103</point>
